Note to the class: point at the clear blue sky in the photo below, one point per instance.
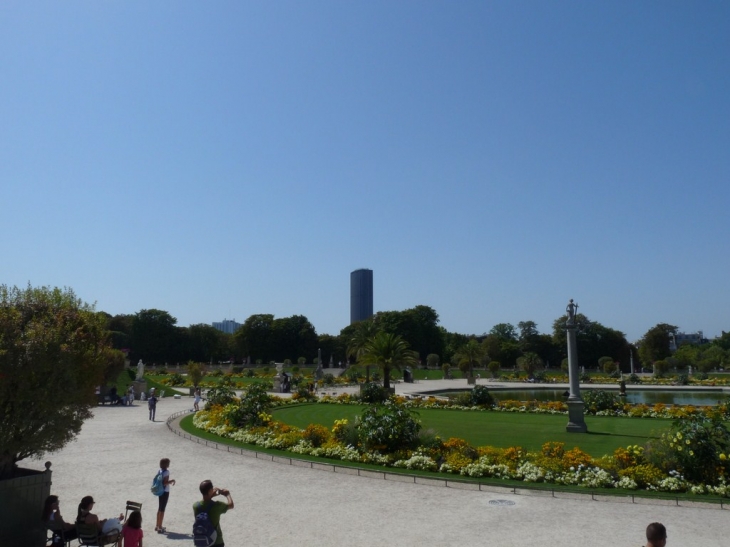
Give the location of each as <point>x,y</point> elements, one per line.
<point>489,159</point>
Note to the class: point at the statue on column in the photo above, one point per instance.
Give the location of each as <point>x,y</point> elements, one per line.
<point>572,309</point>
<point>140,370</point>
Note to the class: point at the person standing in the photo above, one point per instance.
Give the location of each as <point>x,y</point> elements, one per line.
<point>130,394</point>
<point>167,482</point>
<point>214,508</point>
<point>656,535</point>
<point>196,402</point>
<point>152,404</point>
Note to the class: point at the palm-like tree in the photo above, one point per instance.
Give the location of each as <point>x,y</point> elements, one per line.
<point>388,352</point>
<point>468,355</point>
<point>364,332</point>
<point>530,363</point>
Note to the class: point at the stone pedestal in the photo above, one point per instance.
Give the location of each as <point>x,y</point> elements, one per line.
<point>576,421</point>
<point>277,384</point>
<point>140,387</point>
<point>471,380</point>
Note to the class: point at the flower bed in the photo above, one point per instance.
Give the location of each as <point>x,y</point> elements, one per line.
<point>374,439</point>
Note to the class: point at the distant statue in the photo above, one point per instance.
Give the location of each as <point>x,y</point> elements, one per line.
<point>571,309</point>
<point>140,370</point>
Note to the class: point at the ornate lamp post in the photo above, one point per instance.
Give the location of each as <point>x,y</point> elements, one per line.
<point>576,421</point>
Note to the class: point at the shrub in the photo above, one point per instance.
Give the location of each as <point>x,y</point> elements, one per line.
<point>345,432</point>
<point>328,379</point>
<point>682,380</point>
<point>446,368</point>
<point>177,379</point>
<point>302,393</point>
<point>373,393</point>
<point>480,396</point>
<point>249,373</point>
<point>634,379</point>
<point>388,427</point>
<point>251,410</point>
<point>316,434</point>
<point>287,362</point>
<point>494,368</point>
<point>302,360</point>
<point>237,369</point>
<point>698,446</point>
<point>701,375</point>
<point>295,369</point>
<point>220,395</point>
<point>195,372</point>
<point>610,368</point>
<point>597,400</point>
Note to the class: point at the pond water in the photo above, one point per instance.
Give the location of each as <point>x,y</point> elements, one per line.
<point>645,396</point>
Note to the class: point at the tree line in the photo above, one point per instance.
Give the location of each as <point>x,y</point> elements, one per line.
<point>153,335</point>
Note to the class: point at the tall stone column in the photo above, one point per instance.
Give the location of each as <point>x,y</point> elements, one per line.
<point>576,420</point>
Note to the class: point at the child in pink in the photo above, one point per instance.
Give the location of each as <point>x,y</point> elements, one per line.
<point>132,531</point>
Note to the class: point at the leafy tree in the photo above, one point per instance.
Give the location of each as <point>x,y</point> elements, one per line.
<point>418,326</point>
<point>206,343</point>
<point>120,327</point>
<point>293,335</point>
<point>452,342</point>
<point>687,355</point>
<point>388,352</point>
<point>654,345</point>
<point>712,358</point>
<point>494,368</point>
<point>154,337</point>
<point>530,363</point>
<point>506,331</point>
<point>254,338</point>
<point>469,355</point>
<point>593,340</point>
<point>53,350</point>
<point>504,350</point>
<point>723,341</point>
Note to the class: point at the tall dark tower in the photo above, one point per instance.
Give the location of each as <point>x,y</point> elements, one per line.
<point>361,295</point>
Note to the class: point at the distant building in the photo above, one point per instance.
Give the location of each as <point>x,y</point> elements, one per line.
<point>228,326</point>
<point>361,295</point>
<point>681,338</point>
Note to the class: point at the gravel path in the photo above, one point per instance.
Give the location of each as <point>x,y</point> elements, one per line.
<point>117,454</point>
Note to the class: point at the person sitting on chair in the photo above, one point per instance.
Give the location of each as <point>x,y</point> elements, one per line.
<point>108,529</point>
<point>53,520</point>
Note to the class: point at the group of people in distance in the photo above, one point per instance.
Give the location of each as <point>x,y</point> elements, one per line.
<point>130,532</point>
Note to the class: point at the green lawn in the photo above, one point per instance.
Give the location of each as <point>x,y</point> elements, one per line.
<point>500,429</point>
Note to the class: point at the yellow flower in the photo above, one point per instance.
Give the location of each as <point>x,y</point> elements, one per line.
<point>723,457</point>
<point>679,448</point>
<point>679,435</point>
<point>686,442</point>
<point>691,453</point>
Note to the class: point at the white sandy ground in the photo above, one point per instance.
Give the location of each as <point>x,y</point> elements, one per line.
<point>118,451</point>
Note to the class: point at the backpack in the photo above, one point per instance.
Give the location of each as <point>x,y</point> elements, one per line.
<point>158,484</point>
<point>204,533</point>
